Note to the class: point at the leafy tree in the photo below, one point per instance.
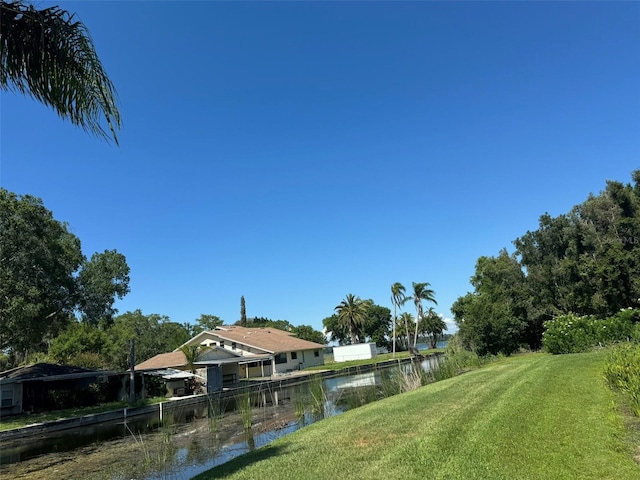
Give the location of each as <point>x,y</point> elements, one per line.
<point>38,258</point>
<point>152,333</point>
<point>44,278</point>
<point>204,322</point>
<point>432,325</point>
<point>352,313</point>
<point>307,332</point>
<point>376,326</point>
<point>420,292</point>
<point>101,279</point>
<point>398,298</point>
<point>78,343</point>
<point>493,319</point>
<point>337,331</point>
<point>262,322</point>
<point>586,261</point>
<point>49,55</point>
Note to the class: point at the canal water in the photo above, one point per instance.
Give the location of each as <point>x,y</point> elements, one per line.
<point>193,440</point>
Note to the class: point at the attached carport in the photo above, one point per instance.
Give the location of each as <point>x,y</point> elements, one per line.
<point>226,372</point>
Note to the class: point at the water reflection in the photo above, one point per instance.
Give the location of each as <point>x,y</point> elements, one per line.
<point>192,441</point>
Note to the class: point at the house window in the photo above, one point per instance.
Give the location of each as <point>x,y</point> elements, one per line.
<point>316,353</point>
<point>294,355</point>
<point>222,343</point>
<point>233,346</point>
<point>6,397</point>
<point>281,357</point>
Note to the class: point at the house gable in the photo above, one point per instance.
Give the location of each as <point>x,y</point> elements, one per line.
<point>281,349</point>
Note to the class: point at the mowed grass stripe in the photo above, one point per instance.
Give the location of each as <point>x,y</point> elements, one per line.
<point>529,417</point>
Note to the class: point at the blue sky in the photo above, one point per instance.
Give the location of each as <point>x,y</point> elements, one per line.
<point>296,152</point>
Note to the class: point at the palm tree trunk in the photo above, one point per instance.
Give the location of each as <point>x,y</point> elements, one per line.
<point>415,336</point>
<point>394,330</point>
<point>406,331</point>
<point>352,333</point>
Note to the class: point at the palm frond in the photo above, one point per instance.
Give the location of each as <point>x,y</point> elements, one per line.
<point>50,56</point>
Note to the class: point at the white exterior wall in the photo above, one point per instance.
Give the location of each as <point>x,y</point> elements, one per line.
<point>360,351</point>
<point>310,359</point>
<point>256,371</point>
<point>305,358</point>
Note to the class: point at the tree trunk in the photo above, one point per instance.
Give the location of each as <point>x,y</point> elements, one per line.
<point>132,373</point>
<point>415,336</point>
<point>394,330</point>
<point>352,333</point>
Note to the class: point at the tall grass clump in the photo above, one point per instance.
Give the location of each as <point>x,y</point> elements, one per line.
<point>317,395</point>
<point>244,404</point>
<point>214,411</point>
<point>300,401</point>
<point>456,360</point>
<point>410,377</point>
<point>389,384</point>
<point>574,334</point>
<point>310,399</point>
<point>622,372</point>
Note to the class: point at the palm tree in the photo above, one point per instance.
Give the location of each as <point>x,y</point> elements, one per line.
<point>50,56</point>
<point>352,313</point>
<point>420,292</point>
<point>397,299</point>
<point>407,319</point>
<point>432,325</point>
<point>191,354</point>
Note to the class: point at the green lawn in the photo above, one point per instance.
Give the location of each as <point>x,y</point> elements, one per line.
<point>528,417</point>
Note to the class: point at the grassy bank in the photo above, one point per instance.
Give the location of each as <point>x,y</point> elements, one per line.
<point>529,417</point>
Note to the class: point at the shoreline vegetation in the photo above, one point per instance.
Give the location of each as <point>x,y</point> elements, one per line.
<point>536,416</point>
<point>532,415</point>
<point>20,421</point>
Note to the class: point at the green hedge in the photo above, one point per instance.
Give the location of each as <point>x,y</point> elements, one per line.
<point>573,334</point>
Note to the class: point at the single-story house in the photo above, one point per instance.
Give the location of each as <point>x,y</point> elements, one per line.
<point>46,386</point>
<point>265,351</point>
<point>166,366</point>
<point>242,352</point>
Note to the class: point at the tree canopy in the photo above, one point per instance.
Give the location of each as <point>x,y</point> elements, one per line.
<point>421,291</point>
<point>586,262</point>
<point>204,322</point>
<point>351,314</point>
<point>45,280</point>
<point>373,324</point>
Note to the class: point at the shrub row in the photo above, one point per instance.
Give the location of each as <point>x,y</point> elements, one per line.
<point>622,372</point>
<point>573,334</point>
